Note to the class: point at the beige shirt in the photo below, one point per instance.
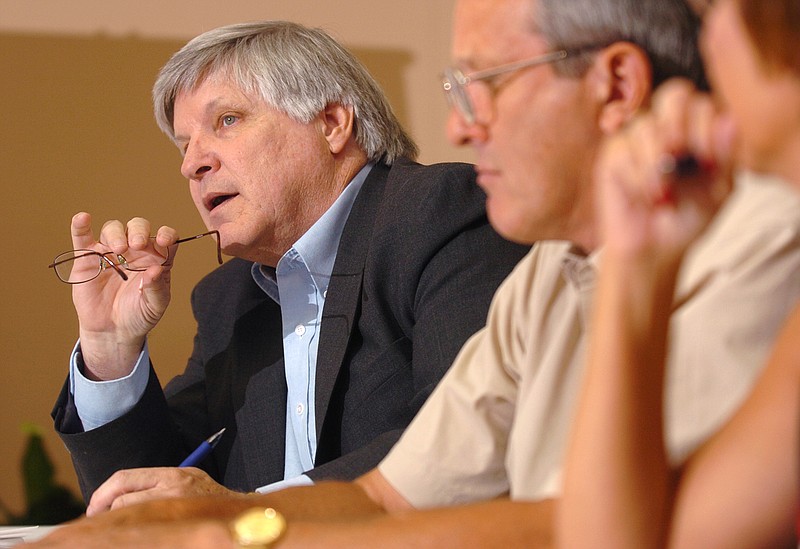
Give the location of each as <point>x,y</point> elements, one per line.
<point>499,420</point>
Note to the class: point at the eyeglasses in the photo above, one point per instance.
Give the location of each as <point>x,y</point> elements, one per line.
<point>455,82</point>
<point>79,266</point>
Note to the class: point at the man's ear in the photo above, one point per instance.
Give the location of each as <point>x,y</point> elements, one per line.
<point>337,122</point>
<point>624,84</point>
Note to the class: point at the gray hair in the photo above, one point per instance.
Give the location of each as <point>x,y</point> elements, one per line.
<point>667,30</point>
<point>295,69</point>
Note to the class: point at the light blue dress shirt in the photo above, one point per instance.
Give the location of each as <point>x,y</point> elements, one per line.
<point>299,285</point>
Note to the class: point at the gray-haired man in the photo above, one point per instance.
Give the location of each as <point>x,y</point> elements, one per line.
<point>358,275</point>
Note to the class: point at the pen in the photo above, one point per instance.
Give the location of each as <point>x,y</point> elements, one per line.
<point>683,166</point>
<point>203,450</point>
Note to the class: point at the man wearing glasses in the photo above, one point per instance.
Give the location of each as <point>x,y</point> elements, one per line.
<point>358,275</point>
<point>537,85</point>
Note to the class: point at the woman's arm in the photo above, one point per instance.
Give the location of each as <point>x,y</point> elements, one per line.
<point>618,485</point>
<point>740,489</point>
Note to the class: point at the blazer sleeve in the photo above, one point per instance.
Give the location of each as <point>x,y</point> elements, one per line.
<point>143,437</point>
<point>165,425</point>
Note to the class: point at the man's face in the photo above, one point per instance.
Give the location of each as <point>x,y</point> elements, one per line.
<point>535,136</point>
<point>257,176</point>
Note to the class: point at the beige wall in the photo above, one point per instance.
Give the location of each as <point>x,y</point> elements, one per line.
<point>78,135</point>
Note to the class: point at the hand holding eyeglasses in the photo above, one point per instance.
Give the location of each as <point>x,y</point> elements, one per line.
<point>120,288</point>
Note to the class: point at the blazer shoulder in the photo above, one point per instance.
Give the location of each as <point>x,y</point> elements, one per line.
<point>405,173</point>
<point>433,193</point>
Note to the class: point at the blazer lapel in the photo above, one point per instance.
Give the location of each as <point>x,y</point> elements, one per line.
<point>344,291</point>
<point>259,394</point>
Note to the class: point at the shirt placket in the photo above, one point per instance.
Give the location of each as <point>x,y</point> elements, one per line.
<point>299,306</point>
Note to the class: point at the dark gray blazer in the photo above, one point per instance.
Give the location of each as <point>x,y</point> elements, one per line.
<point>415,271</point>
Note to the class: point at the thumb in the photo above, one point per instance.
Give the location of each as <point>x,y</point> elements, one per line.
<point>81,231</point>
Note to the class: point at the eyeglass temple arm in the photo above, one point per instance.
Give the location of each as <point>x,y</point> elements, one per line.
<point>195,237</point>
<point>510,67</point>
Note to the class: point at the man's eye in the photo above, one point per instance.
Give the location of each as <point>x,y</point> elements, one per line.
<point>228,120</point>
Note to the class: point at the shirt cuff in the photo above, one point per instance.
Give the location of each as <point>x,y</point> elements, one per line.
<point>301,480</point>
<point>101,402</point>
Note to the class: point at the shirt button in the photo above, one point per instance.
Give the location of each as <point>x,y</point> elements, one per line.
<point>300,409</point>
<point>300,329</point>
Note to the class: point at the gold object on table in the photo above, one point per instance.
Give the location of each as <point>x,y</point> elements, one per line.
<point>258,528</point>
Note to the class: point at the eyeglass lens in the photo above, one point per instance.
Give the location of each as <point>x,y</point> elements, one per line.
<point>79,266</point>
<point>454,83</point>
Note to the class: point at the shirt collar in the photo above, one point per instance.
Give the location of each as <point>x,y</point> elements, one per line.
<point>318,246</point>
<point>580,269</point>
<point>580,272</point>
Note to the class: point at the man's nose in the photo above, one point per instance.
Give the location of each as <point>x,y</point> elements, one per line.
<point>460,132</point>
<point>198,160</point>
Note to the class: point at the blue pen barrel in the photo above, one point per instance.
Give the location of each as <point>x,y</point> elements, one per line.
<point>203,450</point>
<point>198,455</point>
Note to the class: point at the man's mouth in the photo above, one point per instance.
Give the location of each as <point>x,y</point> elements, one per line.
<point>213,201</point>
<point>486,174</point>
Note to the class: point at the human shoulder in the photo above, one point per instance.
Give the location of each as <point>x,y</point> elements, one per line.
<point>760,219</point>
<point>408,172</point>
<point>759,202</point>
<point>430,203</point>
<point>433,187</point>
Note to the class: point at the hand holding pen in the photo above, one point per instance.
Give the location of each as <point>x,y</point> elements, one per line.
<point>131,486</point>
<point>662,177</point>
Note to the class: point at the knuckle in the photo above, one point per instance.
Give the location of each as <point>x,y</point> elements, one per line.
<point>116,476</point>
